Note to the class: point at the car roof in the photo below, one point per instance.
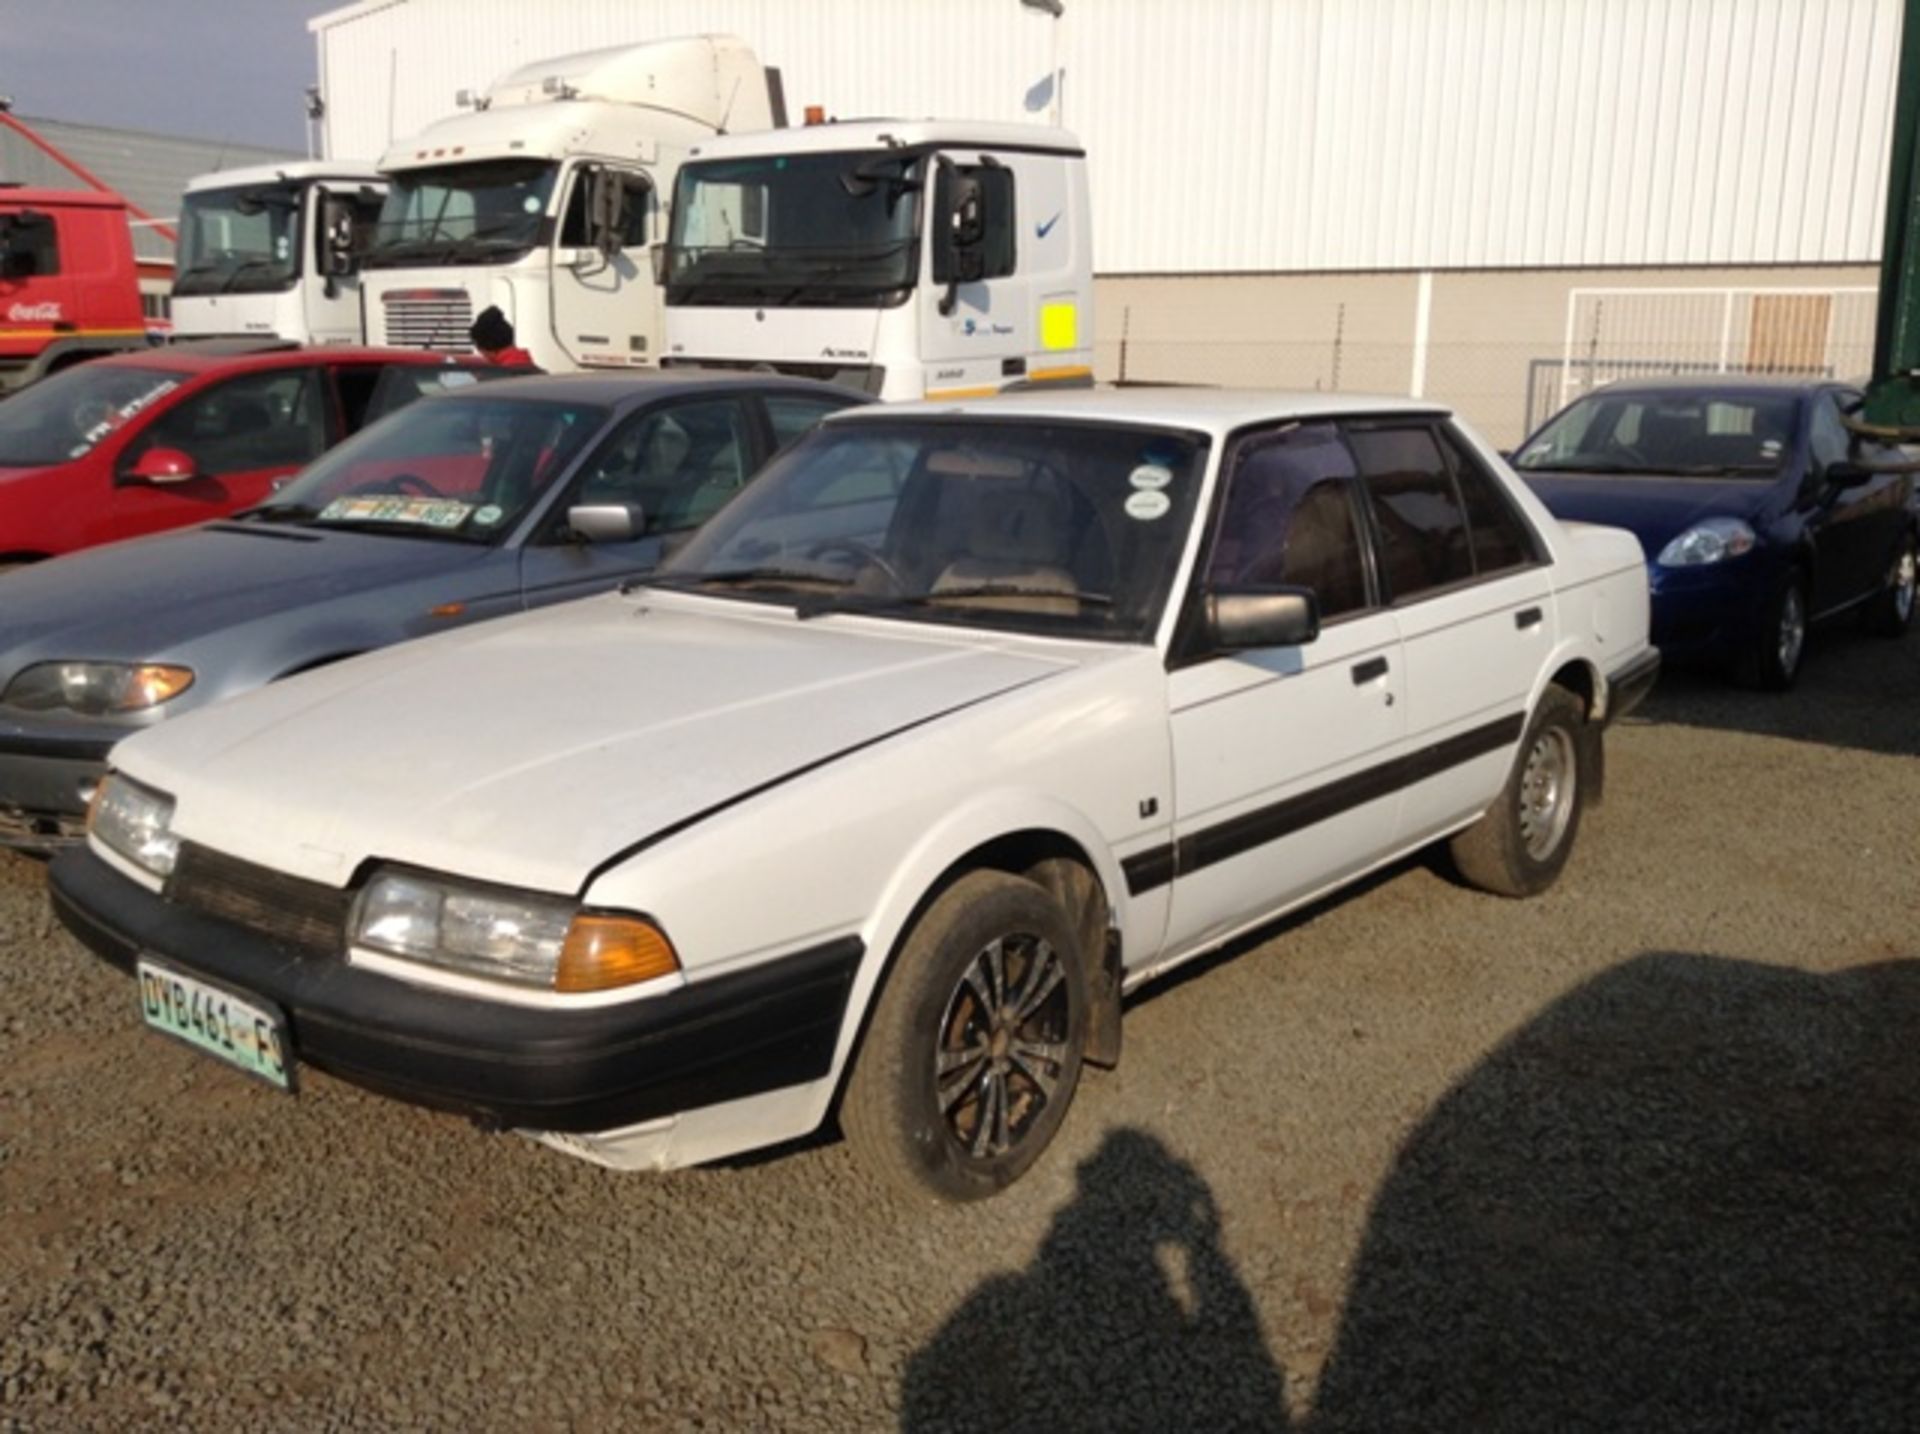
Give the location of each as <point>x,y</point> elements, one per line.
<point>649,383</point>
<point>1719,383</point>
<point>221,355</point>
<point>1216,411</point>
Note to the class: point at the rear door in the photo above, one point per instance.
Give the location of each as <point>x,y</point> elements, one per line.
<point>1283,758</point>
<point>673,463</point>
<point>1469,586</point>
<point>243,434</point>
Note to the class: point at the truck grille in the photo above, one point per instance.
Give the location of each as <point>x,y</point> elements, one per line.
<point>429,319</point>
<point>287,909</point>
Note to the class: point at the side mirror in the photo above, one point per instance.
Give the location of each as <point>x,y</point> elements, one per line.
<point>606,522</point>
<point>1261,617</point>
<point>1845,474</point>
<point>611,196</point>
<point>336,237</point>
<point>164,465</point>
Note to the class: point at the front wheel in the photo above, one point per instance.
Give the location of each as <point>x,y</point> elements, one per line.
<point>1890,613</point>
<point>976,1043</point>
<point>1522,841</point>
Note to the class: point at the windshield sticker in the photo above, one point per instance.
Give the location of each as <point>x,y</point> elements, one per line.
<point>1148,504</point>
<point>531,204</point>
<point>489,515</point>
<point>1150,477</point>
<point>375,508</point>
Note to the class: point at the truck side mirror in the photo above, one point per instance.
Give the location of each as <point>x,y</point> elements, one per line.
<point>337,255</point>
<point>610,200</point>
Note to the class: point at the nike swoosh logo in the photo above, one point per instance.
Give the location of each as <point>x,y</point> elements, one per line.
<point>1040,231</point>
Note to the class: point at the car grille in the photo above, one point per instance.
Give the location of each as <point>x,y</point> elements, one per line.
<point>429,319</point>
<point>302,914</point>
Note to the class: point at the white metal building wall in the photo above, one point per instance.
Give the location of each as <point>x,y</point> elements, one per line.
<point>1297,135</point>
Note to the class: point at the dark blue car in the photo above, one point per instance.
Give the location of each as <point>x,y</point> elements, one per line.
<point>1759,512</point>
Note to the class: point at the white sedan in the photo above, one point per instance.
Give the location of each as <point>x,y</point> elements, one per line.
<point>957,724</point>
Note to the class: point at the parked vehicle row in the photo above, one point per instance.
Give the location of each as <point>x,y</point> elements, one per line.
<point>875,796</point>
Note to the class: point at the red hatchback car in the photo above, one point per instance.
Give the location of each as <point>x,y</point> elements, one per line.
<point>164,438</point>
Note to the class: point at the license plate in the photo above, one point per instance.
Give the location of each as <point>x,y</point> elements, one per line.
<point>239,1030</point>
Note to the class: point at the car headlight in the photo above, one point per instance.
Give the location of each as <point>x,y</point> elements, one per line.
<point>525,938</point>
<point>1712,541</point>
<point>134,821</point>
<point>95,688</point>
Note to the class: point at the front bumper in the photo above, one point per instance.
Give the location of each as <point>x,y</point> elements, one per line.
<point>572,1070</point>
<point>1706,612</point>
<point>44,785</point>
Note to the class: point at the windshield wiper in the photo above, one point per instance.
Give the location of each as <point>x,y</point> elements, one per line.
<point>733,577</point>
<point>242,267</point>
<point>883,604</point>
<point>388,528</point>
<point>277,513</point>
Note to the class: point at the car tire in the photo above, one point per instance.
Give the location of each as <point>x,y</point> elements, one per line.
<point>1521,843</point>
<point>954,1093</point>
<point>1774,656</point>
<point>1890,613</point>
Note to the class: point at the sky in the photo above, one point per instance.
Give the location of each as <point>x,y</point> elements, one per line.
<point>213,69</point>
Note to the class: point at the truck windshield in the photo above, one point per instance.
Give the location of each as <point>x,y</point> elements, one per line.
<point>489,212</point>
<point>1026,525</point>
<point>809,230</point>
<point>64,416</point>
<point>244,240</point>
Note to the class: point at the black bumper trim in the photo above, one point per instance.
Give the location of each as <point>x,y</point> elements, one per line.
<point>1628,687</point>
<point>578,1070</point>
<point>73,749</point>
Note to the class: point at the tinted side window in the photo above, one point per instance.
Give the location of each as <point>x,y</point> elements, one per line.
<point>1289,519</point>
<point>678,463</point>
<point>29,245</point>
<point>276,419</point>
<point>1424,541</point>
<point>792,415</point>
<point>1501,537</point>
<point>997,246</point>
<point>1828,437</point>
<point>577,233</point>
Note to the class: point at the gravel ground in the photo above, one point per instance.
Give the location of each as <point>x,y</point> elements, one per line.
<point>1642,1154</point>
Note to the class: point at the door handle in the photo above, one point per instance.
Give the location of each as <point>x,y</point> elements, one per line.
<point>1527,617</point>
<point>1365,672</point>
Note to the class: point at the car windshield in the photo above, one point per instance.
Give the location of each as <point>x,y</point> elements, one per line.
<point>65,416</point>
<point>244,240</point>
<point>816,229</point>
<point>1035,526</point>
<point>483,213</point>
<point>464,466</point>
<point>1667,434</point>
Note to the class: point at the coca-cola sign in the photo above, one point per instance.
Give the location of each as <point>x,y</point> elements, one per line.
<point>46,313</point>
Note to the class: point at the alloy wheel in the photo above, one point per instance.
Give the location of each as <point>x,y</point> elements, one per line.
<point>1003,1045</point>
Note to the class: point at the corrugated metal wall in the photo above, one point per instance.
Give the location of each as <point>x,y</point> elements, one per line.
<point>1299,135</point>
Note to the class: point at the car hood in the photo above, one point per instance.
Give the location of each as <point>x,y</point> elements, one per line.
<point>31,470</point>
<point>531,750</point>
<point>1654,509</point>
<point>148,598</point>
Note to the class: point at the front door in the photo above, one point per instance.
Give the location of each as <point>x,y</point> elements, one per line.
<point>672,465</point>
<point>1856,520</point>
<point>1283,757</point>
<point>605,306</point>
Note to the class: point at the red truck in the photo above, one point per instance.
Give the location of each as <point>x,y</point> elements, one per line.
<point>68,287</point>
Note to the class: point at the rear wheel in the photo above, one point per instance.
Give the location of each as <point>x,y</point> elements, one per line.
<point>1521,843</point>
<point>976,1043</point>
<point>1890,613</point>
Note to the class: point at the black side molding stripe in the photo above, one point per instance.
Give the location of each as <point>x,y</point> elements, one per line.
<point>78,749</point>
<point>1159,865</point>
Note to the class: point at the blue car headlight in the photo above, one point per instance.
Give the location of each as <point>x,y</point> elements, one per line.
<point>1713,541</point>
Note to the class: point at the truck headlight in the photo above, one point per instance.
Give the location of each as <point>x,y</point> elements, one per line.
<point>526,938</point>
<point>1712,541</point>
<point>134,821</point>
<point>95,688</point>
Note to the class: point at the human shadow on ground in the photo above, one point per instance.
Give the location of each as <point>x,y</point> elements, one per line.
<point>1855,690</point>
<point>1684,1196</point>
<point>1130,1317</point>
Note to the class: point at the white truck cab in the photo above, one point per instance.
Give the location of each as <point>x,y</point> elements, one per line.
<point>910,258</point>
<point>543,199</point>
<point>269,251</point>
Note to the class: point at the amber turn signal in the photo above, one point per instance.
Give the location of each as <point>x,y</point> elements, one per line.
<point>151,685</point>
<point>604,952</point>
